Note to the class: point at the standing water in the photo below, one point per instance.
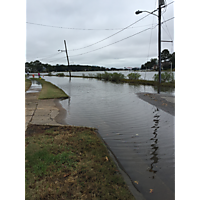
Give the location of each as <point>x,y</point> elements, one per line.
<point>140,135</point>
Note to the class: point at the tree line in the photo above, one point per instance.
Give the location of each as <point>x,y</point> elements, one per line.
<point>37,66</point>
<point>167,61</point>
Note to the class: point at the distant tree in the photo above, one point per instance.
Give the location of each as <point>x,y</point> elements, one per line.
<point>165,55</point>
<point>150,64</point>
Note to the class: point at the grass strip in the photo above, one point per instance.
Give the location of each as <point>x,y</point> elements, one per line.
<point>50,91</point>
<point>68,162</point>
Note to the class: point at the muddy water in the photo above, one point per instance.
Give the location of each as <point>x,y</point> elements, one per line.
<point>140,135</point>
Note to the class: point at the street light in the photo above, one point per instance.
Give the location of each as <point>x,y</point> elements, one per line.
<point>160,3</point>
<point>138,12</point>
<point>141,11</point>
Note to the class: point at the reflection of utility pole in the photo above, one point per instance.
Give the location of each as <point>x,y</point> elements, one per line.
<point>160,3</point>
<point>67,57</point>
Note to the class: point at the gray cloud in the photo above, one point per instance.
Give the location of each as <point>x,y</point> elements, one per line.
<point>44,41</point>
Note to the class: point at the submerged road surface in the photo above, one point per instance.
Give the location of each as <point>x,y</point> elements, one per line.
<point>140,135</point>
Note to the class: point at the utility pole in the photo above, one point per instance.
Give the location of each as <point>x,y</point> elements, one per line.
<point>66,52</point>
<point>160,4</point>
<point>67,56</point>
<point>159,39</point>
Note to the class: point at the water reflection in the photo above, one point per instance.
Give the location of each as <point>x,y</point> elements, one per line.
<point>35,87</point>
<point>154,138</point>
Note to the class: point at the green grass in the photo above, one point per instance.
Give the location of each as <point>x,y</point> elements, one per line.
<point>118,79</point>
<point>27,84</point>
<point>50,91</point>
<point>67,162</point>
<point>147,82</point>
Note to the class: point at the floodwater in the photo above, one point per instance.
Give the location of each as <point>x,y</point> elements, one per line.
<point>35,87</point>
<point>148,75</point>
<point>140,135</point>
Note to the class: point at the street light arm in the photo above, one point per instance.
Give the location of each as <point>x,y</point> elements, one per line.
<point>152,13</point>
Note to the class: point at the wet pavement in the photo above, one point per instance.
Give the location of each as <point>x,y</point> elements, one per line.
<point>37,111</point>
<point>162,101</point>
<point>35,87</point>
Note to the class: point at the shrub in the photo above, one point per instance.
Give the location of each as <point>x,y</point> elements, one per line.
<point>49,74</point>
<point>165,77</point>
<point>134,76</point>
<point>99,76</point>
<point>60,74</point>
<point>106,76</point>
<point>114,77</point>
<point>117,77</point>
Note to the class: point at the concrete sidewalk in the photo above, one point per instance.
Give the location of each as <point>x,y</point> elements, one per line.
<point>164,102</point>
<point>41,112</point>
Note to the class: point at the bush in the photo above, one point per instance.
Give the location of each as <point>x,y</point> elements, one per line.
<point>117,77</point>
<point>60,74</point>
<point>106,76</point>
<point>165,77</point>
<point>114,77</point>
<point>49,74</point>
<point>99,76</point>
<point>134,76</point>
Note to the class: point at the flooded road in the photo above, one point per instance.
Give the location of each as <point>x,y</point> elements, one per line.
<point>140,135</point>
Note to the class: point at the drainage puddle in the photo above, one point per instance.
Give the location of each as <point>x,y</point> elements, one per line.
<point>35,87</point>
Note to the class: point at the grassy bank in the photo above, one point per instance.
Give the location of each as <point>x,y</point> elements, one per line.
<point>27,84</point>
<point>120,78</point>
<point>147,82</point>
<point>50,91</point>
<point>67,162</point>
<point>133,82</point>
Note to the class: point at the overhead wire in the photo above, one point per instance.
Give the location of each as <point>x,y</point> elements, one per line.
<point>116,32</point>
<point>110,35</point>
<point>106,45</point>
<point>121,39</point>
<point>150,40</point>
<point>87,29</point>
<point>113,42</point>
<point>84,29</point>
<point>51,55</point>
<point>113,34</point>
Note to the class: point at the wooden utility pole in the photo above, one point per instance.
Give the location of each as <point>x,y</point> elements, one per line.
<point>67,56</point>
<point>66,52</point>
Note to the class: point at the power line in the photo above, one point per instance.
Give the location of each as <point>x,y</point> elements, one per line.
<point>116,32</point>
<point>83,29</point>
<point>121,39</point>
<point>51,55</point>
<point>113,42</point>
<point>112,34</point>
<point>87,29</point>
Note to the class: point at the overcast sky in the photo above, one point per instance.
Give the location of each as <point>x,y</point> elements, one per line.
<point>70,20</point>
